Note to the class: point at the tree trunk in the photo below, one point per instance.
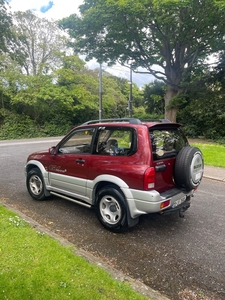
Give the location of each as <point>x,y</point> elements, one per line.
<point>171,110</point>
<point>171,114</point>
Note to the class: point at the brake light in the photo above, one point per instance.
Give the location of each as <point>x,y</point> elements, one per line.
<point>149,179</point>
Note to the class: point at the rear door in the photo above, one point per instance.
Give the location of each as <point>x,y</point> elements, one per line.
<point>167,141</point>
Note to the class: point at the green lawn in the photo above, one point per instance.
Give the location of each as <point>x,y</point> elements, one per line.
<point>35,266</point>
<point>214,155</point>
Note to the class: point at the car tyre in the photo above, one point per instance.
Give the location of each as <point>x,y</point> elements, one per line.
<point>35,184</point>
<point>111,209</point>
<point>189,168</point>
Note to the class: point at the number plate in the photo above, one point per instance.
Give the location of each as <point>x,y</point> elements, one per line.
<point>179,201</point>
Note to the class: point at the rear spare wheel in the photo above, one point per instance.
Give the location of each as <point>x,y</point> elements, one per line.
<point>189,168</point>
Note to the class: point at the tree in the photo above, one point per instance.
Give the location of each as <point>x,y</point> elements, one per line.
<point>175,35</point>
<point>10,76</point>
<point>203,113</point>
<point>39,43</point>
<point>153,97</point>
<point>124,87</point>
<point>5,26</point>
<point>42,100</point>
<point>83,85</point>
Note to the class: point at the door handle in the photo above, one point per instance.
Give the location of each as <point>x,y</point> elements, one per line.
<point>80,161</point>
<point>160,168</point>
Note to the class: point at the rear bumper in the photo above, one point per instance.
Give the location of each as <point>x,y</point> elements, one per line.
<point>145,202</point>
<point>180,208</point>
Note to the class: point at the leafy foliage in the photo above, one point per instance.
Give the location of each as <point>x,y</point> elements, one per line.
<point>54,103</point>
<point>153,97</point>
<point>39,43</point>
<point>17,126</point>
<point>204,114</point>
<point>5,26</point>
<point>51,91</point>
<point>175,35</point>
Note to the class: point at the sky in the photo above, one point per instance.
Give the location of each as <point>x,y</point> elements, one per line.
<point>58,9</point>
<point>55,9</point>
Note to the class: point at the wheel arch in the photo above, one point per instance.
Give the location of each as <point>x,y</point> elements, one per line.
<point>117,183</point>
<point>101,185</point>
<point>103,180</point>
<point>36,164</point>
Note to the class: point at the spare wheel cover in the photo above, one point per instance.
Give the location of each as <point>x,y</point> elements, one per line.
<point>189,167</point>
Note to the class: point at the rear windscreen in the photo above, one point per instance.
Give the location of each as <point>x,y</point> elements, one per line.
<point>167,143</point>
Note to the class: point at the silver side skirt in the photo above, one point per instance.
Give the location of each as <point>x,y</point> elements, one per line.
<point>70,199</point>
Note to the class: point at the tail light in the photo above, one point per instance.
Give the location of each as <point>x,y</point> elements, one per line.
<point>149,179</point>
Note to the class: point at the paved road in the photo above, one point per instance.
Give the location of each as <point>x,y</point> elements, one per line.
<point>169,254</point>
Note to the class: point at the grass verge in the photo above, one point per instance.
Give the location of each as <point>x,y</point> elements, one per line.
<point>214,155</point>
<point>35,266</point>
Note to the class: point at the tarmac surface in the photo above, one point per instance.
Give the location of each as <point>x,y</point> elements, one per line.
<point>210,172</point>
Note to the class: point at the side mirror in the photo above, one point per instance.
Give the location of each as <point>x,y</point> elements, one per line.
<point>52,150</point>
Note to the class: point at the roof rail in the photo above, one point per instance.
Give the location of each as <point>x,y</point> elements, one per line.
<point>130,120</point>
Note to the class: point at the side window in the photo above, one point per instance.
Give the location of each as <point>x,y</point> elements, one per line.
<point>79,142</point>
<point>115,141</point>
<point>166,143</point>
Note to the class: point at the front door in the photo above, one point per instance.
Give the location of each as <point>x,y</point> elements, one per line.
<point>68,169</point>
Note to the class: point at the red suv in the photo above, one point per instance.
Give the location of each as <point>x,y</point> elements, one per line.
<point>123,168</point>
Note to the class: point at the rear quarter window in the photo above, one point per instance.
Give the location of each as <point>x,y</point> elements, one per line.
<point>116,141</point>
<point>167,143</point>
